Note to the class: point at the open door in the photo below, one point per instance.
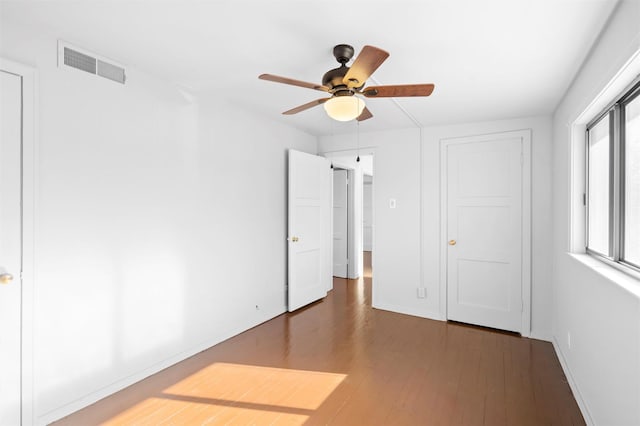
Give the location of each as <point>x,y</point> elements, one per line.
<point>310,236</point>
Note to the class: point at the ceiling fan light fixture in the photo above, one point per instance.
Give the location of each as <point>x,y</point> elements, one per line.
<point>344,108</point>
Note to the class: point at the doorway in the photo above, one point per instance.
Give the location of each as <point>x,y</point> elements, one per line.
<point>353,229</point>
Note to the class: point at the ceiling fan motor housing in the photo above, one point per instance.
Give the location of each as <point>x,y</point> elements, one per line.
<point>333,78</point>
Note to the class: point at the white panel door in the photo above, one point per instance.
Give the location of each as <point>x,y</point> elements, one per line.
<point>484,229</point>
<point>10,247</point>
<point>309,229</point>
<point>340,220</point>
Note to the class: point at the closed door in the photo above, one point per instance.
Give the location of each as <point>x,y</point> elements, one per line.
<point>309,229</point>
<point>484,230</point>
<point>340,224</point>
<point>10,247</point>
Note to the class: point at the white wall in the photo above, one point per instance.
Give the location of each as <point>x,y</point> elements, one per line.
<point>407,238</point>
<point>151,204</point>
<point>603,318</point>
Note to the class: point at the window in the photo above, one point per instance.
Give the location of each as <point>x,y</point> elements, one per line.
<point>613,181</point>
<point>632,180</point>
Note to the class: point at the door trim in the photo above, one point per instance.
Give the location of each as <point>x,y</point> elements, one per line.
<point>525,137</point>
<point>29,177</point>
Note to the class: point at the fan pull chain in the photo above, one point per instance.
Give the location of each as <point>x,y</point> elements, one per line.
<point>332,126</point>
<point>358,141</point>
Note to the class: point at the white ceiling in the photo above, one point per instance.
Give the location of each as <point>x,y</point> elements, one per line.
<point>489,59</point>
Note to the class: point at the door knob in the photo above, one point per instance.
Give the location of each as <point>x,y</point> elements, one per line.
<point>294,239</point>
<point>6,278</point>
<point>452,242</point>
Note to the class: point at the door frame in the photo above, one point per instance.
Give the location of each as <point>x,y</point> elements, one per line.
<point>525,137</point>
<point>29,178</point>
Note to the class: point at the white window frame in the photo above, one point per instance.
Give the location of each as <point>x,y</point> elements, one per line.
<point>614,112</point>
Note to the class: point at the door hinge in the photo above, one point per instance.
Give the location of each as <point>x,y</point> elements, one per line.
<point>521,158</point>
<point>521,305</point>
<point>584,198</point>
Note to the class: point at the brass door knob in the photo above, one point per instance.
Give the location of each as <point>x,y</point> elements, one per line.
<point>294,239</point>
<point>452,242</point>
<point>6,278</point>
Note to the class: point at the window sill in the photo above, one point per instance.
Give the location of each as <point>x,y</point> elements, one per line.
<point>629,281</point>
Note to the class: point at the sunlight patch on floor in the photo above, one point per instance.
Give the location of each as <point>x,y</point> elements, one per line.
<point>236,393</point>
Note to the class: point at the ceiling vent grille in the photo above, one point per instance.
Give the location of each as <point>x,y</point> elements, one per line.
<point>73,57</point>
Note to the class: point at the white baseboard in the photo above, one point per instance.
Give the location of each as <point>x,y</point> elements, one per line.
<point>582,404</point>
<point>118,385</point>
<point>541,336</point>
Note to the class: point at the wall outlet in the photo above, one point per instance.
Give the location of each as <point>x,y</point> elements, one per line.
<point>569,339</point>
<point>422,292</point>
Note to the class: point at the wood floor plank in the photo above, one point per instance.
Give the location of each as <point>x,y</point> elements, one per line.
<point>341,362</point>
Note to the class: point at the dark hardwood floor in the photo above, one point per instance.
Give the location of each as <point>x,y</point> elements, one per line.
<point>340,362</point>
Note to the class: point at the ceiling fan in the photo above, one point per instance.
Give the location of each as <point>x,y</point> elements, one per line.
<point>346,85</point>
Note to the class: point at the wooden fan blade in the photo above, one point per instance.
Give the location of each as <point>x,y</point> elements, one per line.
<point>306,106</point>
<point>398,91</point>
<point>369,59</point>
<point>291,81</point>
<point>364,115</point>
